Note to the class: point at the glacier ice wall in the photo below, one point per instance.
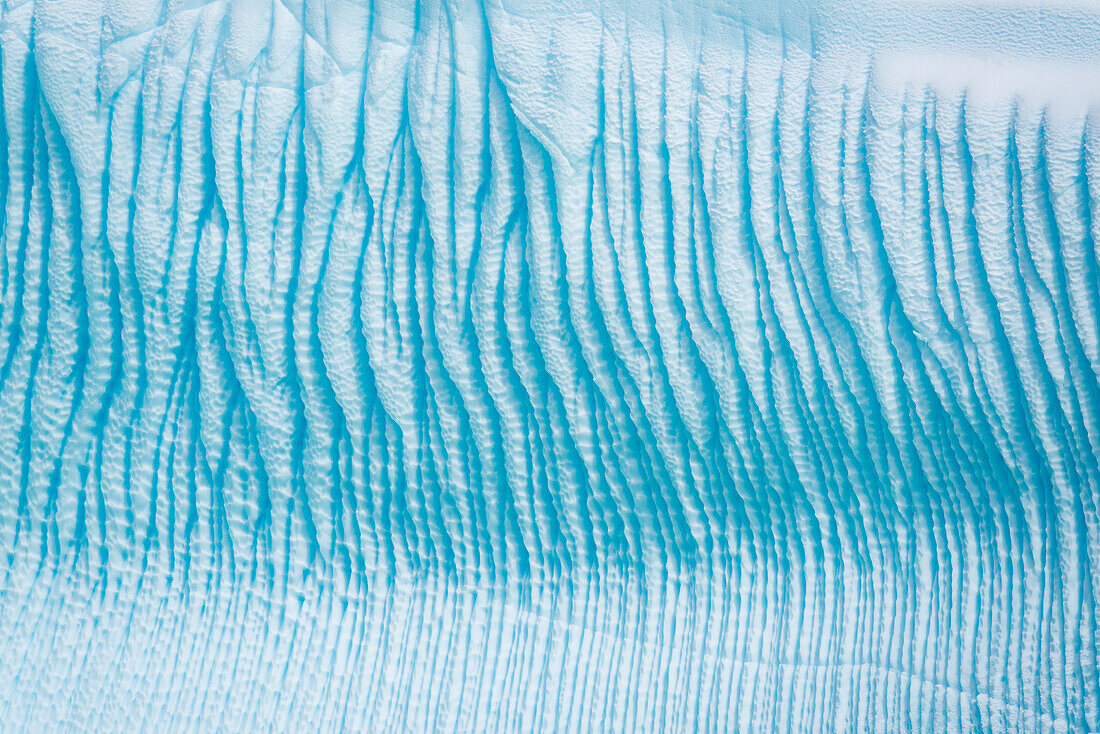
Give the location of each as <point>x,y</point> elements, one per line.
<point>579,366</point>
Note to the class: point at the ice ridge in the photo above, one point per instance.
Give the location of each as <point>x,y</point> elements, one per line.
<point>517,366</point>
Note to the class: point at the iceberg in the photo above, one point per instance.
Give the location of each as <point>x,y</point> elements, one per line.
<point>459,366</point>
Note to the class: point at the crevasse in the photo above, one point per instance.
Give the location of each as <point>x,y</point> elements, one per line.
<point>582,366</point>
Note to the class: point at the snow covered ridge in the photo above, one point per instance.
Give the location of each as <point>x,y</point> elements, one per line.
<point>550,366</point>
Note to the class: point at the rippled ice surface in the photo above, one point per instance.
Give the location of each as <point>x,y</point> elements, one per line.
<point>580,366</point>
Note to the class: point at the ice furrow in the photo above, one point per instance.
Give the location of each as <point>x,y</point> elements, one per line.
<point>464,366</point>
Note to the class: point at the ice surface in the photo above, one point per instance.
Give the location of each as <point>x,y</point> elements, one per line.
<point>550,366</point>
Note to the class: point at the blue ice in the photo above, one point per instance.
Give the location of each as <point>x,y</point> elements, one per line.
<point>580,366</point>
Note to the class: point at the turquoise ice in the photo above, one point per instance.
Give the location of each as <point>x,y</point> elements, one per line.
<point>594,365</point>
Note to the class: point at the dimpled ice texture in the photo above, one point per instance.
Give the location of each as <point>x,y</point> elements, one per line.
<point>550,366</point>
